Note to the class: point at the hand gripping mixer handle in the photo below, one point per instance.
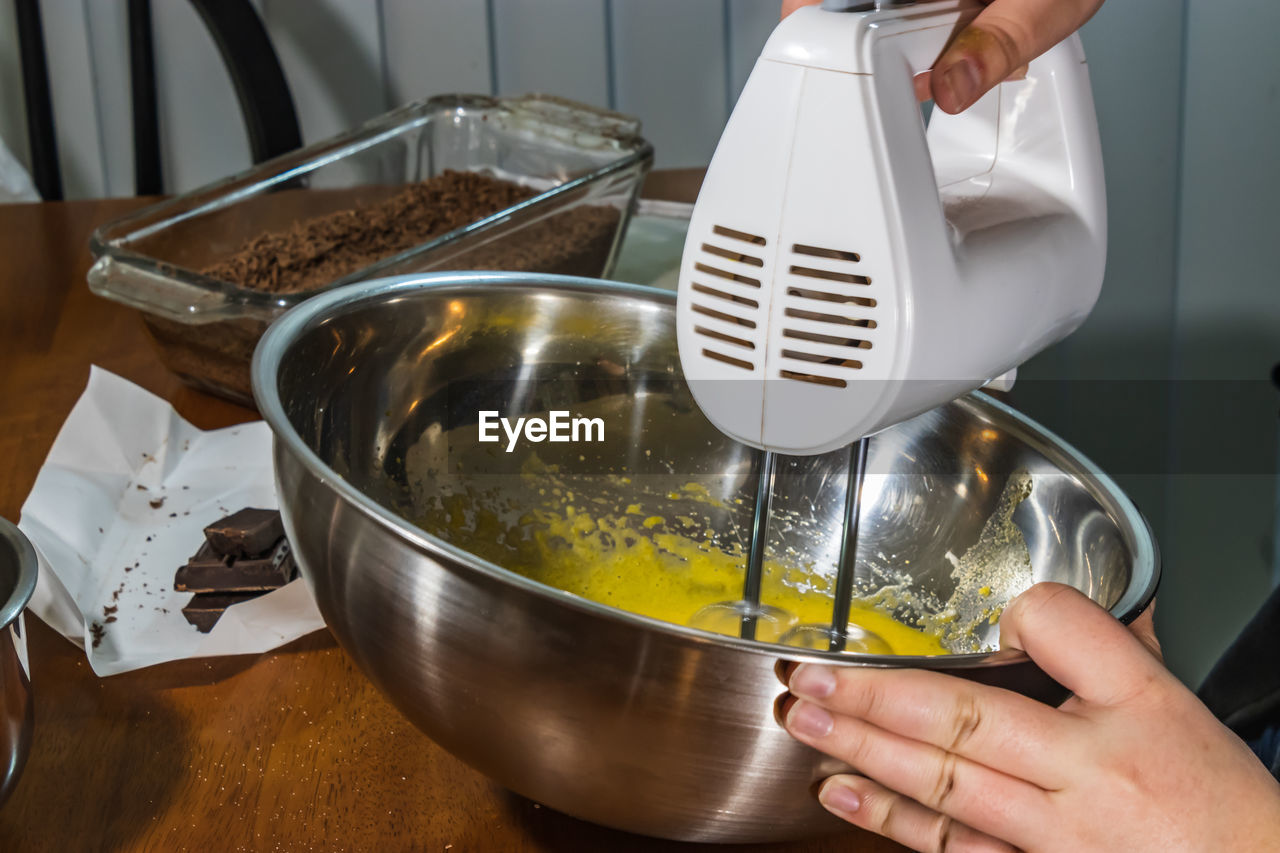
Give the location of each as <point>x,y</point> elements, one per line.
<point>851,272</point>
<point>1016,194</point>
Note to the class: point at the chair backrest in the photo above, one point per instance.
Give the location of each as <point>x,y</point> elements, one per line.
<point>261,89</point>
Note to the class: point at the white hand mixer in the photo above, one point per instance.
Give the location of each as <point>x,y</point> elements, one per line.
<point>847,269</point>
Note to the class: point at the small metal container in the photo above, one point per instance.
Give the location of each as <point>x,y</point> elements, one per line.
<point>206,329</point>
<point>373,394</point>
<point>17,583</point>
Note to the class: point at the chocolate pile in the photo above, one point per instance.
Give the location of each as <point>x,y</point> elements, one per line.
<point>243,556</point>
<point>312,253</point>
<point>317,251</point>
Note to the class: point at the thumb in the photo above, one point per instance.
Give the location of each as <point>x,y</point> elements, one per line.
<point>1144,628</point>
<point>1079,644</point>
<point>1002,39</point>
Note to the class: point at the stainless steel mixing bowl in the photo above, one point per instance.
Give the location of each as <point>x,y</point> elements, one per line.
<point>373,393</point>
<point>17,583</point>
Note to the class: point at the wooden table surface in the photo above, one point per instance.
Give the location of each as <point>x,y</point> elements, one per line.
<point>289,750</point>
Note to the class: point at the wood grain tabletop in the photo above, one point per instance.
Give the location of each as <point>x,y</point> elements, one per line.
<point>289,750</point>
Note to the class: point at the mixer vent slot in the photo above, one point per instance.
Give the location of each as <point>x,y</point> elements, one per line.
<point>728,359</point>
<point>828,275</point>
<point>721,336</point>
<point>848,363</point>
<point>721,231</point>
<point>819,317</point>
<point>729,254</point>
<point>816,380</point>
<point>720,315</point>
<point>731,276</point>
<point>824,296</point>
<point>833,254</point>
<point>815,338</point>
<point>728,297</point>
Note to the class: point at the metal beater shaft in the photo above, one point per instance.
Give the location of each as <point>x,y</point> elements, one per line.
<point>845,569</point>
<point>755,559</point>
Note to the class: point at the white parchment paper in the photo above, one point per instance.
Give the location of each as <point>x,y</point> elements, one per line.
<point>121,502</point>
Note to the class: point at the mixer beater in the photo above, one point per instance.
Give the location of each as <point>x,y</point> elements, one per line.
<point>746,614</point>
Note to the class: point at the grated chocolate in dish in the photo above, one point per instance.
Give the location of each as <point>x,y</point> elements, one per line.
<point>317,251</point>
<point>309,255</point>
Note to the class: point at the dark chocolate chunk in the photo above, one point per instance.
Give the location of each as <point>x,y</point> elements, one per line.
<point>204,609</point>
<point>247,533</point>
<point>205,562</point>
<point>206,572</point>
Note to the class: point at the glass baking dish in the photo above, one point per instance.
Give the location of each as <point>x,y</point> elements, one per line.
<point>585,164</point>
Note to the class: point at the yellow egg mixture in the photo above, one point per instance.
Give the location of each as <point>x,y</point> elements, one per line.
<point>657,567</point>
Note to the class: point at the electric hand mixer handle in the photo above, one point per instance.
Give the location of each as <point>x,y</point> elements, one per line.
<point>848,271</point>
<point>1017,191</point>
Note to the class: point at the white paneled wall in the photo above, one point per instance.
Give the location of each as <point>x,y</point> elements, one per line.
<point>675,77</point>
<point>13,127</point>
<point>202,136</point>
<point>331,51</point>
<point>109,70</point>
<point>575,32</point>
<point>76,106</point>
<point>434,46</point>
<point>678,64</point>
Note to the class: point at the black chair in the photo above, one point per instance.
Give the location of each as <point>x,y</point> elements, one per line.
<point>261,88</point>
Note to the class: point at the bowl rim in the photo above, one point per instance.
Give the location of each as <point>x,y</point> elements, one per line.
<point>274,344</point>
<point>15,542</point>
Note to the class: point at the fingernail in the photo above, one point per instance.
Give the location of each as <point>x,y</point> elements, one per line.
<point>783,669</point>
<point>809,720</point>
<point>814,681</point>
<point>839,798</point>
<point>781,706</point>
<point>961,80</point>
